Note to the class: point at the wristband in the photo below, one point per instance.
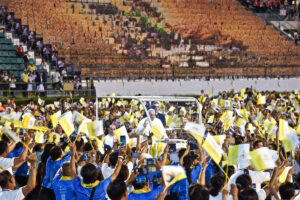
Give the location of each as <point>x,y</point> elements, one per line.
<point>120,157</point>
<point>121,160</point>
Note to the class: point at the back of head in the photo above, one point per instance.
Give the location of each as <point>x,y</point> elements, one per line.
<point>243,181</point>
<point>3,147</point>
<point>113,159</point>
<point>117,189</point>
<point>66,169</point>
<point>197,191</point>
<point>248,194</point>
<point>89,173</point>
<point>124,173</point>
<point>46,152</point>
<point>217,182</point>
<point>286,191</point>
<point>4,178</point>
<point>55,153</point>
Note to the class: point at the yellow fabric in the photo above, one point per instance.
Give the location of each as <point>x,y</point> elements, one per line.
<point>66,178</point>
<point>140,191</point>
<point>156,132</point>
<point>91,129</point>
<point>90,185</point>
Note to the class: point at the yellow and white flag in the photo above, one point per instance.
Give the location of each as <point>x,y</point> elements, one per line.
<point>291,141</point>
<point>28,121</point>
<point>78,118</point>
<point>196,130</point>
<point>39,137</point>
<point>283,129</point>
<point>262,159</point>
<point>238,155</point>
<point>54,118</point>
<point>157,149</point>
<point>12,135</point>
<point>212,148</point>
<point>83,126</point>
<point>157,132</point>
<point>122,132</point>
<point>66,123</point>
<point>95,128</point>
<point>172,174</point>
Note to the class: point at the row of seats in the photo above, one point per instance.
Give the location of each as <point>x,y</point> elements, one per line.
<point>9,67</point>
<point>8,54</point>
<point>11,60</point>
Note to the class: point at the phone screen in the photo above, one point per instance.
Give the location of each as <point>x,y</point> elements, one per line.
<point>172,147</point>
<point>123,141</point>
<point>149,140</point>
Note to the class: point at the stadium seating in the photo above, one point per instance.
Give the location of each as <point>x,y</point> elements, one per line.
<point>9,61</point>
<point>216,34</point>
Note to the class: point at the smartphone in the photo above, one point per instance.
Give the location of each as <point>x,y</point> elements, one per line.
<point>156,179</point>
<point>21,132</point>
<point>123,141</point>
<point>134,154</point>
<point>149,140</point>
<point>193,144</point>
<point>172,148</point>
<point>150,161</point>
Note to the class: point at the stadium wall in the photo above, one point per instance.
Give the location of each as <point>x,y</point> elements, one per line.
<point>192,87</point>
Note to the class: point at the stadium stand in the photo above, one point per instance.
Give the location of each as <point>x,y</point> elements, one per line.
<point>158,39</point>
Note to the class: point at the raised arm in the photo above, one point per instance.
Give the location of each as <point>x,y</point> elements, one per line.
<point>184,155</point>
<point>73,166</point>
<point>32,159</point>
<point>18,161</point>
<point>119,164</point>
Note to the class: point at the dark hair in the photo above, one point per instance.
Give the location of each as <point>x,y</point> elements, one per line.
<point>197,191</point>
<point>229,170</point>
<point>217,182</point>
<point>248,194</point>
<point>187,163</point>
<point>255,144</point>
<point>89,173</point>
<point>286,190</point>
<point>243,181</point>
<point>87,147</point>
<point>124,173</point>
<point>138,186</point>
<point>113,159</point>
<point>181,152</point>
<point>116,189</point>
<point>37,147</point>
<point>297,180</point>
<point>3,147</point>
<point>4,178</point>
<point>46,152</point>
<point>55,153</point>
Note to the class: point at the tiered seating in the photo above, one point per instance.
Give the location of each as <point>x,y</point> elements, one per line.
<point>9,60</point>
<point>227,22</point>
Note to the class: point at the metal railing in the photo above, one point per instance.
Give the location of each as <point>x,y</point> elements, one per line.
<point>50,89</point>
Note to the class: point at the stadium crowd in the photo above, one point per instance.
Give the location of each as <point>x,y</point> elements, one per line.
<point>237,145</point>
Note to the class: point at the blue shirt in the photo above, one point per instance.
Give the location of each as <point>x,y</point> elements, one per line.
<point>51,169</point>
<point>180,189</point>
<point>22,170</point>
<point>83,193</point>
<point>195,172</point>
<point>146,196</point>
<point>63,189</point>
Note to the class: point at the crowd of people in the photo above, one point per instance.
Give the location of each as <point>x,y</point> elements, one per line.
<point>34,77</point>
<point>175,150</point>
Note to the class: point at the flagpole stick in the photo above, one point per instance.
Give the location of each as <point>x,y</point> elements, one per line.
<point>223,172</point>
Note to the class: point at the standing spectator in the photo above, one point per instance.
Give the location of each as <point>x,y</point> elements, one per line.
<point>12,84</point>
<point>77,84</point>
<point>24,77</point>
<point>55,77</point>
<point>44,66</point>
<point>5,79</point>
<point>31,79</point>
<point>31,66</point>
<point>40,83</point>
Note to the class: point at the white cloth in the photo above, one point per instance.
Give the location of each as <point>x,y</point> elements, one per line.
<point>141,129</point>
<point>219,197</point>
<point>261,194</point>
<point>107,171</point>
<point>109,140</point>
<point>7,164</point>
<point>12,194</point>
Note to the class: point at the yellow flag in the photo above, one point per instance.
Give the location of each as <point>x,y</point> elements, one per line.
<point>54,118</point>
<point>28,121</point>
<point>212,148</point>
<point>91,129</point>
<point>155,130</point>
<point>66,123</point>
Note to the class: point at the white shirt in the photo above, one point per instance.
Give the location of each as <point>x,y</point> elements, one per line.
<point>7,163</point>
<point>219,197</point>
<point>140,128</point>
<point>107,171</point>
<point>12,194</point>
